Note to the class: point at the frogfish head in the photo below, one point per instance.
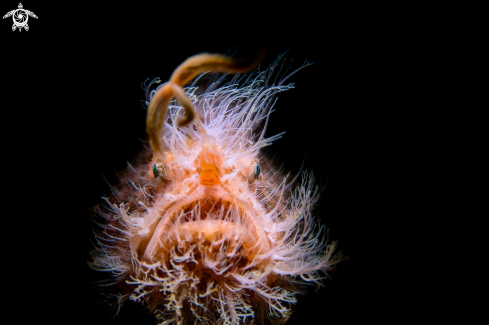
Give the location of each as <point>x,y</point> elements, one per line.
<point>194,231</point>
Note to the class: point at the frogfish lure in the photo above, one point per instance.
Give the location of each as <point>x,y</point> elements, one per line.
<point>191,231</point>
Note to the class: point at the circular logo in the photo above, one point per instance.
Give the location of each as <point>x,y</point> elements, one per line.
<point>20,17</point>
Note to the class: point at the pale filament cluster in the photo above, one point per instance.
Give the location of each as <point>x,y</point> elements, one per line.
<point>194,231</point>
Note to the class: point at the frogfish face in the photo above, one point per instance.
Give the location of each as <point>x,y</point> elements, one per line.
<point>195,232</point>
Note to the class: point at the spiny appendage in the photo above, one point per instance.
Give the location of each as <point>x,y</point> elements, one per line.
<point>303,250</point>
<point>230,112</point>
<point>188,70</point>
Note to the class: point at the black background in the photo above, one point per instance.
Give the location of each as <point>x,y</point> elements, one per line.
<point>71,113</point>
